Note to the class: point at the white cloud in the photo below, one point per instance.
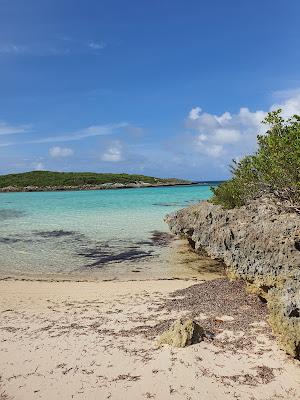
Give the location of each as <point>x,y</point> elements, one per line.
<point>214,150</point>
<point>113,153</point>
<point>230,135</point>
<point>6,144</point>
<point>34,49</point>
<point>217,135</point>
<point>94,130</point>
<point>8,129</point>
<point>57,151</point>
<point>223,135</point>
<point>59,46</point>
<point>194,113</point>
<point>290,104</point>
<point>97,45</point>
<point>226,127</point>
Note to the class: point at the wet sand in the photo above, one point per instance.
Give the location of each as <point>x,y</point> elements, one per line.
<point>97,340</point>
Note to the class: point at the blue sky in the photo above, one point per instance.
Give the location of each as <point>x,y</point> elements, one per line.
<point>165,88</point>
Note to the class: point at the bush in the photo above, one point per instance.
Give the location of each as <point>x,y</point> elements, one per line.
<point>273,170</point>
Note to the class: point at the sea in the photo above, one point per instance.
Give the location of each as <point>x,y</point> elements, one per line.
<point>98,235</point>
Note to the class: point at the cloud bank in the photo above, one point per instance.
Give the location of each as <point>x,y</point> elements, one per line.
<point>230,135</point>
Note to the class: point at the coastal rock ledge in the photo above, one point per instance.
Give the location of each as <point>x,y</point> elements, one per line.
<point>258,243</point>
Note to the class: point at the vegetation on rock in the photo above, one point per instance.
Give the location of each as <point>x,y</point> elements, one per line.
<point>273,170</point>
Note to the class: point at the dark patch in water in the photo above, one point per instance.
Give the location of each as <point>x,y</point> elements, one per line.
<point>161,238</point>
<point>174,203</point>
<point>14,239</point>
<point>57,233</point>
<point>9,240</point>
<point>166,204</point>
<point>145,243</point>
<point>71,237</point>
<point>7,213</point>
<point>158,238</point>
<point>94,253</point>
<point>122,251</point>
<point>108,254</point>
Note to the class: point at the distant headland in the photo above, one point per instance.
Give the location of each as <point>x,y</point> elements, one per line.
<point>35,181</point>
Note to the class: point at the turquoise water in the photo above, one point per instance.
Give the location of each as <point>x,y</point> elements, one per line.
<point>89,233</point>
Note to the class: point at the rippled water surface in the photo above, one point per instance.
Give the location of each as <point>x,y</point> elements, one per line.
<point>93,234</point>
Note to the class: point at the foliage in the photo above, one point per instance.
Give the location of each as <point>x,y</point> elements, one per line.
<point>273,170</point>
<point>48,178</point>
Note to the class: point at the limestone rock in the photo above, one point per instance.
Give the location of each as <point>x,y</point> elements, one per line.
<point>259,243</point>
<point>182,334</point>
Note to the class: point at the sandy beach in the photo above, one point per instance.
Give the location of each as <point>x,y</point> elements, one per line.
<point>98,340</point>
<point>149,200</point>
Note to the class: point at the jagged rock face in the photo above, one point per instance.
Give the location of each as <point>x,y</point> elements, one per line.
<point>260,244</point>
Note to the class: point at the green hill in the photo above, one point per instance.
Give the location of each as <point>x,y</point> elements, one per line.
<point>42,179</point>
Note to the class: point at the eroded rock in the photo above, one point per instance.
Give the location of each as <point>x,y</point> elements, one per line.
<point>182,334</point>
<point>259,244</point>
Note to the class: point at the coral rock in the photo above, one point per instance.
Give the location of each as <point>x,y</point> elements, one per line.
<point>182,334</point>
<point>259,243</point>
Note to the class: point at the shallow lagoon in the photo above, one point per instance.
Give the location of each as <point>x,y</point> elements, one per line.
<point>108,234</point>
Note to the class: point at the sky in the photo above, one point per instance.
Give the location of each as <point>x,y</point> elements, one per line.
<point>162,88</point>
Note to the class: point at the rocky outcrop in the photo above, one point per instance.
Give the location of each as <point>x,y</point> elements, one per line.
<point>259,243</point>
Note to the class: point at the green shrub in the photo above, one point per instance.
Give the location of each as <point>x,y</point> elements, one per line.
<point>274,169</point>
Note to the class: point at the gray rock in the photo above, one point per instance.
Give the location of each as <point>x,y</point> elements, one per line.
<point>259,243</point>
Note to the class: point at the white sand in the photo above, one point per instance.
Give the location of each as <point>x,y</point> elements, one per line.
<point>68,340</point>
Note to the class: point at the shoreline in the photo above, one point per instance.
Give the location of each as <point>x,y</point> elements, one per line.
<point>87,340</point>
<point>176,261</point>
<point>73,280</point>
<point>112,186</point>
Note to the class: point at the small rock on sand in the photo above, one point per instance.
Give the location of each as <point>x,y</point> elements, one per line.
<point>182,334</point>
